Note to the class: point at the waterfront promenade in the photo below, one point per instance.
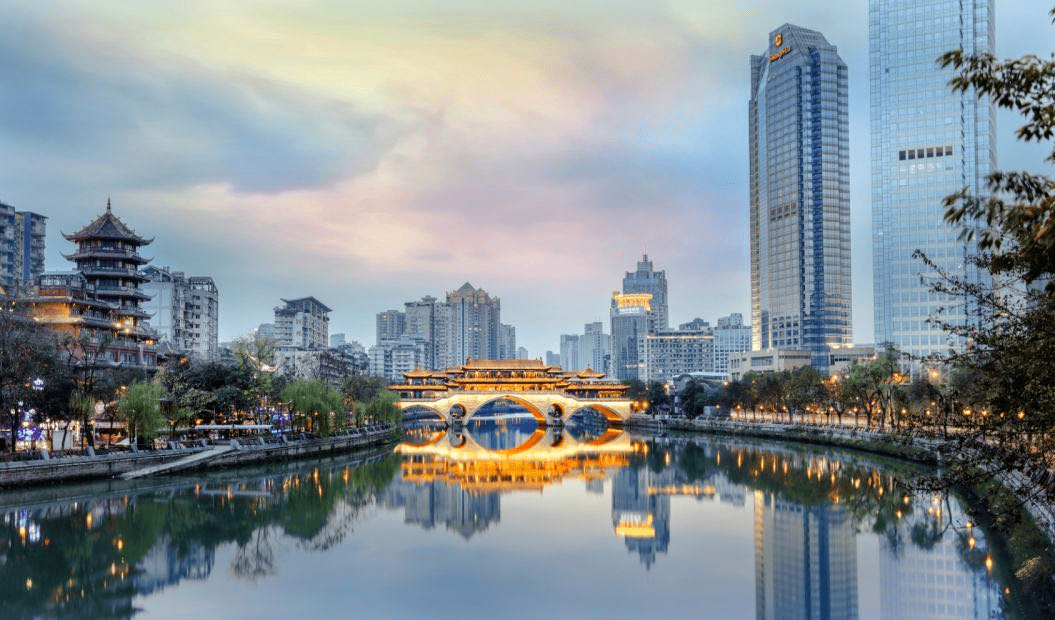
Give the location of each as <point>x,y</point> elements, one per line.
<point>1035,491</point>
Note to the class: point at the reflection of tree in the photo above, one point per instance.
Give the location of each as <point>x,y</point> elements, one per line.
<point>256,558</point>
<point>90,557</point>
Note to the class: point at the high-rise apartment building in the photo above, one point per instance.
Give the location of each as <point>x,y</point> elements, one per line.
<point>799,195</point>
<point>467,326</point>
<point>927,142</point>
<point>302,323</point>
<point>21,247</point>
<point>184,311</point>
<point>390,324</point>
<point>647,280</point>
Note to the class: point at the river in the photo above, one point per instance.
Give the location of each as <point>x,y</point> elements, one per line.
<point>506,520</point>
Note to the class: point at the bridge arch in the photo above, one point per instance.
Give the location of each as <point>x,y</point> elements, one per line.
<point>532,409</point>
<point>609,415</point>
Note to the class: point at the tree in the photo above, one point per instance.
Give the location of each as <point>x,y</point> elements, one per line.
<point>315,405</point>
<point>1001,388</point>
<point>383,408</point>
<point>27,352</point>
<point>1019,212</point>
<point>140,408</point>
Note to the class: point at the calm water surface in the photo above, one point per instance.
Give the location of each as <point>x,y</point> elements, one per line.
<point>503,520</point>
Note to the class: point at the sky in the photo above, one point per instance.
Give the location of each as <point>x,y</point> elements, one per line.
<point>371,153</point>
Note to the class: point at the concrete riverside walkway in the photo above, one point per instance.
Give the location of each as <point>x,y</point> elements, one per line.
<point>198,459</point>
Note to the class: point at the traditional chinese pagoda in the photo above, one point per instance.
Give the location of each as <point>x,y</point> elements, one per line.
<point>108,260</point>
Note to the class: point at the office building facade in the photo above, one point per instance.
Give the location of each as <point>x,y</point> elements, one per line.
<point>799,195</point>
<point>646,280</point>
<point>927,142</point>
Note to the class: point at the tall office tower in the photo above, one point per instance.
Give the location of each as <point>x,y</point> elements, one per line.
<point>800,195</point>
<point>805,561</point>
<point>390,325</point>
<point>630,326</point>
<point>927,142</point>
<point>302,323</point>
<point>646,280</point>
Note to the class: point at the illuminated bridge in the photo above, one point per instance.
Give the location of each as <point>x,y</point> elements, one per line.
<point>547,392</point>
<point>538,459</point>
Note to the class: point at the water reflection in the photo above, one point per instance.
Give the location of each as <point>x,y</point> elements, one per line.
<point>816,522</point>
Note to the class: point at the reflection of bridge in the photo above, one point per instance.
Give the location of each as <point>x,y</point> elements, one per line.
<point>544,457</point>
<point>548,393</point>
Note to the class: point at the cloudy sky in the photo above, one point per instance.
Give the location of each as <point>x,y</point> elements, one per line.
<point>371,153</point>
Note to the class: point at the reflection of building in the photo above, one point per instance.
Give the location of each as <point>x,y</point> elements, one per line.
<point>642,517</point>
<point>800,194</point>
<point>933,583</point>
<point>166,564</point>
<point>805,561</point>
<point>928,141</point>
<point>436,501</point>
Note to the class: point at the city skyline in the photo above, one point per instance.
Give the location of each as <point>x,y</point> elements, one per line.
<point>378,148</point>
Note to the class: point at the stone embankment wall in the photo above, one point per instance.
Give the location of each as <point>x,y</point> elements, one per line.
<point>49,469</point>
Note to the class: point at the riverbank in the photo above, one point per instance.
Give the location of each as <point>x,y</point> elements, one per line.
<point>45,469</point>
<point>925,450</point>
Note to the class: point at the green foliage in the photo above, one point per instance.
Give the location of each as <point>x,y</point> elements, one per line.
<point>314,406</point>
<point>1019,213</point>
<point>383,408</point>
<point>140,409</point>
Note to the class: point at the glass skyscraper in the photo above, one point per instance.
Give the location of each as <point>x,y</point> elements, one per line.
<point>927,142</point>
<point>800,195</point>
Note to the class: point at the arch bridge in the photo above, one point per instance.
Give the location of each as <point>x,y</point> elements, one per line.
<point>548,393</point>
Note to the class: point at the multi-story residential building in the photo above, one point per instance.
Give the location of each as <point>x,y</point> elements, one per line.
<point>507,342</point>
<point>730,336</point>
<point>30,231</point>
<point>594,347</point>
<point>799,195</point>
<point>7,248</point>
<point>927,142</point>
<point>184,311</point>
<point>390,325</point>
<point>630,325</point>
<point>654,283</point>
<point>302,323</point>
<point>22,236</point>
<point>466,327</point>
<point>569,352</point>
